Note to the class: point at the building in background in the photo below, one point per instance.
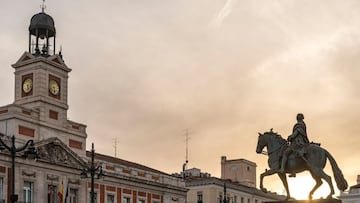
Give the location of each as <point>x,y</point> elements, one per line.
<point>212,190</point>
<point>353,195</point>
<point>237,184</point>
<point>39,113</point>
<point>239,170</point>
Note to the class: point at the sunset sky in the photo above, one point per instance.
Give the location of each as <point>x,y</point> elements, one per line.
<point>144,71</point>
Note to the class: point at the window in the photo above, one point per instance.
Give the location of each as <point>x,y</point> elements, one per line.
<point>141,201</point>
<point>53,114</point>
<point>256,201</point>
<point>126,200</point>
<point>95,197</point>
<point>28,192</point>
<point>199,197</point>
<point>1,189</point>
<point>73,195</point>
<point>52,194</point>
<point>235,199</point>
<point>110,198</point>
<point>26,131</point>
<point>248,200</point>
<point>242,200</point>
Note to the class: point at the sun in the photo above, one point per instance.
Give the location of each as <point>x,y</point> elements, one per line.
<point>300,187</point>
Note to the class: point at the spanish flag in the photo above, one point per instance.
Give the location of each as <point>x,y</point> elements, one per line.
<point>61,192</point>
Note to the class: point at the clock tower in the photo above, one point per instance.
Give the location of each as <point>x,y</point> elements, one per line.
<point>41,91</point>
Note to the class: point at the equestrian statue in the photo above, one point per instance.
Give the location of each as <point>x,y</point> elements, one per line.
<point>297,154</point>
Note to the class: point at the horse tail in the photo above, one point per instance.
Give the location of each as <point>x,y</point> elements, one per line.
<point>339,177</point>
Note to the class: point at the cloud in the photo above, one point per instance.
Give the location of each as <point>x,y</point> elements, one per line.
<point>143,71</point>
<point>223,13</point>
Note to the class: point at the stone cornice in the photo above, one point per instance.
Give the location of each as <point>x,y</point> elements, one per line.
<point>32,59</point>
<point>18,114</point>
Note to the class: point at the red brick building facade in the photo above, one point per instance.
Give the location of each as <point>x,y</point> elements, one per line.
<point>39,113</point>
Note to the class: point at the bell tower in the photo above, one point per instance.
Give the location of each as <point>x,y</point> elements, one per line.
<point>40,106</point>
<point>41,32</point>
<point>41,76</point>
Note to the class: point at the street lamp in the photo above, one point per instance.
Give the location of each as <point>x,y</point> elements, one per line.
<point>29,153</point>
<point>92,170</point>
<point>225,199</point>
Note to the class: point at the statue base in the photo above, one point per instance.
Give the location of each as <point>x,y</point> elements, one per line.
<point>308,201</point>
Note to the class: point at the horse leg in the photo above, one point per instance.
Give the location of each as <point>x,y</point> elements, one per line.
<point>266,173</point>
<point>327,178</point>
<point>317,185</point>
<point>285,183</point>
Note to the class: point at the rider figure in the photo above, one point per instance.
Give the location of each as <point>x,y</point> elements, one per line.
<point>297,141</point>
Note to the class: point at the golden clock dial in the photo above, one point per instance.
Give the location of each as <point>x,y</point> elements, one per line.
<point>54,87</point>
<point>27,85</point>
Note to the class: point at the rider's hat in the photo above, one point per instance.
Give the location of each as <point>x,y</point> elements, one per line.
<point>299,116</point>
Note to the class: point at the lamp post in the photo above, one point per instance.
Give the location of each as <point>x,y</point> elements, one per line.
<point>92,170</point>
<point>225,199</point>
<point>30,153</point>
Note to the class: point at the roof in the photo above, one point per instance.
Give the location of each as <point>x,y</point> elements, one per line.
<point>198,181</point>
<point>42,22</point>
<point>355,186</point>
<point>115,160</point>
<point>239,161</point>
<point>53,60</point>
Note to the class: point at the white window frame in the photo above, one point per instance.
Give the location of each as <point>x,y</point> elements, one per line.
<point>112,194</point>
<point>199,196</point>
<point>28,191</point>
<point>141,199</point>
<point>54,185</point>
<point>2,188</point>
<point>128,197</point>
<point>76,195</point>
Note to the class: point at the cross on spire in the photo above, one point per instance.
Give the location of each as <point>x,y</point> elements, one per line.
<point>43,6</point>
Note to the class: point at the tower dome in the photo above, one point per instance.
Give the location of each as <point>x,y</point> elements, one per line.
<point>43,24</point>
<point>42,28</point>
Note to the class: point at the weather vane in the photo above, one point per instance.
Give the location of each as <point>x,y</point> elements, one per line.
<point>43,6</point>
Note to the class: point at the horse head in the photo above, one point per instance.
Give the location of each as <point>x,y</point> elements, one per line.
<point>261,143</point>
<point>269,139</point>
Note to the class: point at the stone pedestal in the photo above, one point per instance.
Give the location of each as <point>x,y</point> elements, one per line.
<point>308,201</point>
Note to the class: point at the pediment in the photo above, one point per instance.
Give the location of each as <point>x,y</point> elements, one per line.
<point>26,56</point>
<point>53,60</point>
<point>54,151</point>
<point>57,59</point>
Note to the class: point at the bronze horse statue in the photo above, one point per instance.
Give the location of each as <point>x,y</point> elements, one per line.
<point>313,160</point>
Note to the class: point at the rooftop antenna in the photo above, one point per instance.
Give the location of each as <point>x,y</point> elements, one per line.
<point>187,151</point>
<point>43,6</point>
<point>187,144</point>
<point>115,145</point>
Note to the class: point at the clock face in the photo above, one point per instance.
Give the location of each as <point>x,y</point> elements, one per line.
<point>54,87</point>
<point>27,85</point>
